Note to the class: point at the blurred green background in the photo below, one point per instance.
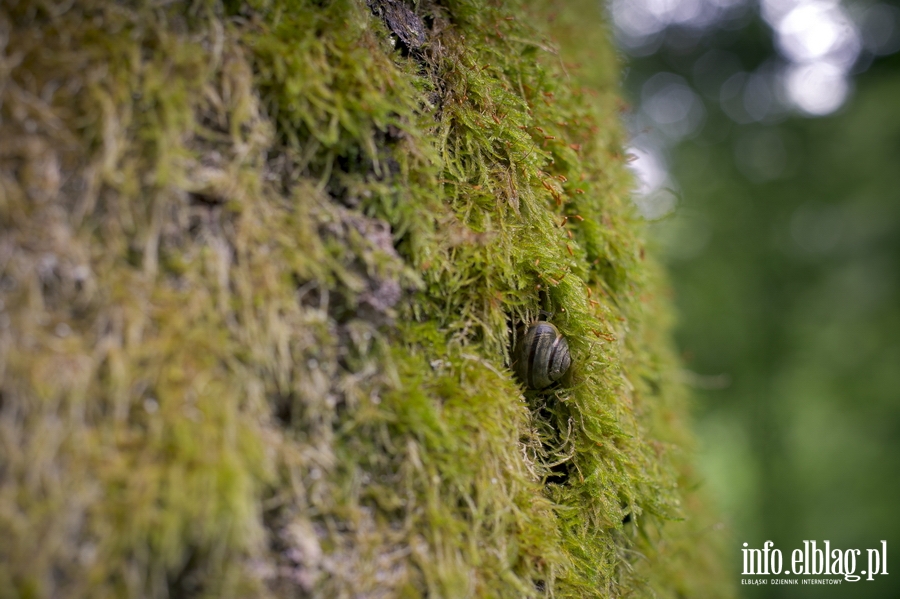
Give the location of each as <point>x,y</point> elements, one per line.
<point>767,140</point>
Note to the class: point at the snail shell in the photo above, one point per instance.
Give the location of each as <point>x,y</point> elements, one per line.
<point>541,356</point>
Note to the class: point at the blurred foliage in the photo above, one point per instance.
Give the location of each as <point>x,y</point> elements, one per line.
<point>784,252</point>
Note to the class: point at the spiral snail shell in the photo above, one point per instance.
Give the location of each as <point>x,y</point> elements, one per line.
<point>541,356</point>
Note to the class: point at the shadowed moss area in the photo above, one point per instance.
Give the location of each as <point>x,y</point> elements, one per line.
<point>261,266</point>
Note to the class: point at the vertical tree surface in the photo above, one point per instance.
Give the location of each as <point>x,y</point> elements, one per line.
<point>261,267</point>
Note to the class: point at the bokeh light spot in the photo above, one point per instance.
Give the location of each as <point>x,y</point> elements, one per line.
<point>672,105</point>
<point>818,88</point>
<point>880,31</point>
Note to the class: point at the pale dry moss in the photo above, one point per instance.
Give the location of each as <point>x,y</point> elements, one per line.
<point>259,268</point>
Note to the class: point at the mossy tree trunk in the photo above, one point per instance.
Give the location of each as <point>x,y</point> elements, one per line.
<point>260,267</point>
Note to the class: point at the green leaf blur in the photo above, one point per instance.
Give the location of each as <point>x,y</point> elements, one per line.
<point>784,252</point>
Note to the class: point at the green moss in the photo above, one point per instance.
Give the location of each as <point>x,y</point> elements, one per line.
<point>262,267</point>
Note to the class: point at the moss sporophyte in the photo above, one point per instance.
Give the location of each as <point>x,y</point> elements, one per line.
<point>258,264</point>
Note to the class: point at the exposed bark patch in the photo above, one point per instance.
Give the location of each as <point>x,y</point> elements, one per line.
<point>402,21</point>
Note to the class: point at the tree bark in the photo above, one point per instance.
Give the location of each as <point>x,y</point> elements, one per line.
<point>262,266</point>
